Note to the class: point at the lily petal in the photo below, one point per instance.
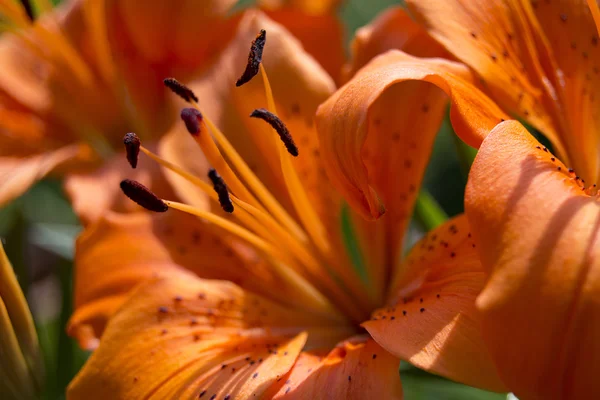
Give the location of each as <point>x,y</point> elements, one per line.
<point>121,251</point>
<point>321,35</point>
<point>190,26</point>
<point>312,7</point>
<point>392,29</point>
<point>357,368</point>
<point>431,319</point>
<point>112,257</point>
<point>537,234</point>
<point>207,337</point>
<point>348,125</point>
<point>498,42</point>
<point>572,34</point>
<point>17,174</point>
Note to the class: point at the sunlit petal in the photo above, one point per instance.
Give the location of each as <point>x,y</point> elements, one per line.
<point>206,336</point>
<point>357,368</point>
<point>537,234</point>
<point>431,319</point>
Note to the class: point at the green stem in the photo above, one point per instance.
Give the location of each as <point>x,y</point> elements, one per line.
<point>428,212</point>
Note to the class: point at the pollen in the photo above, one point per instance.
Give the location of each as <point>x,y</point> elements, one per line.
<point>143,196</point>
<point>221,190</point>
<point>132,148</point>
<point>279,127</point>
<point>254,58</point>
<point>180,90</point>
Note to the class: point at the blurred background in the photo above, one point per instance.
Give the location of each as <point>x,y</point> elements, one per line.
<point>39,229</point>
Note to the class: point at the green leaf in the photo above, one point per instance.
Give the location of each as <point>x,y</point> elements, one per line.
<point>352,245</point>
<point>428,212</point>
<point>419,385</point>
<point>56,238</point>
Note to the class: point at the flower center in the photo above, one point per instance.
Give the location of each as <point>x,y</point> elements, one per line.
<point>299,251</point>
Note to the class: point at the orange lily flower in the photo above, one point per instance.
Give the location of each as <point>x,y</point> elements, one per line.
<point>79,76</point>
<point>264,302</point>
<point>534,220</point>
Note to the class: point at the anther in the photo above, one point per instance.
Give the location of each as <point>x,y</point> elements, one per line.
<point>254,58</point>
<point>221,189</point>
<point>143,196</point>
<point>280,128</point>
<point>132,148</point>
<point>192,119</point>
<point>28,9</point>
<point>180,89</point>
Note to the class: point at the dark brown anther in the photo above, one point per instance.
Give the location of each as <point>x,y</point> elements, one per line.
<point>221,190</point>
<point>28,9</point>
<point>143,196</point>
<point>192,119</point>
<point>180,89</point>
<point>132,148</point>
<point>279,126</point>
<point>254,58</point>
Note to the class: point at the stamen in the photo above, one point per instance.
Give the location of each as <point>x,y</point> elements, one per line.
<point>132,148</point>
<point>279,127</point>
<point>308,215</point>
<point>180,89</point>
<point>221,190</point>
<point>253,182</point>
<point>254,58</point>
<point>143,196</point>
<point>192,119</point>
<point>269,230</point>
<point>311,296</point>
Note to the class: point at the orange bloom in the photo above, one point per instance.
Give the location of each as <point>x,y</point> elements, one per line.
<point>79,76</point>
<point>534,220</point>
<point>264,301</point>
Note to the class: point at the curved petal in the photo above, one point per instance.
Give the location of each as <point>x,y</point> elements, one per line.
<point>17,174</point>
<point>185,338</point>
<point>431,319</point>
<point>392,29</point>
<point>347,124</point>
<point>111,258</point>
<point>537,233</point>
<point>358,368</point>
